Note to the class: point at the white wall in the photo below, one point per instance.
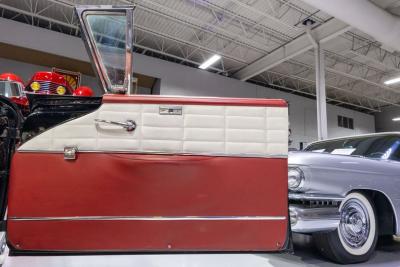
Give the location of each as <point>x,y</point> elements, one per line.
<point>384,122</point>
<point>181,80</point>
<point>40,39</point>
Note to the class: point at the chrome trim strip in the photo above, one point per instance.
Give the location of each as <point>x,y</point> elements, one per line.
<point>151,218</point>
<point>280,156</point>
<point>300,196</point>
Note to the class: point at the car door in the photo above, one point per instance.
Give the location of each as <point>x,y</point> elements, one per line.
<point>151,173</point>
<point>11,120</point>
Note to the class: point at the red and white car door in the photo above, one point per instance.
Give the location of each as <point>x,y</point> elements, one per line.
<point>153,173</point>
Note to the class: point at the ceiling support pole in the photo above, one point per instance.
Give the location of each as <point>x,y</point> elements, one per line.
<point>322,119</point>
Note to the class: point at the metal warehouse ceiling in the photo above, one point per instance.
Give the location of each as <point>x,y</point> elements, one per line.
<point>242,32</point>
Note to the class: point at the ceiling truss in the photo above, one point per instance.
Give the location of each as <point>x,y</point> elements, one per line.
<point>242,32</point>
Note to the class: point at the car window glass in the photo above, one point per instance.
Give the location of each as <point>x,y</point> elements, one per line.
<point>109,33</point>
<point>9,89</point>
<point>381,147</point>
<point>396,154</point>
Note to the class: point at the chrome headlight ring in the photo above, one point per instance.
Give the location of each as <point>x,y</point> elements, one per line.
<point>295,178</point>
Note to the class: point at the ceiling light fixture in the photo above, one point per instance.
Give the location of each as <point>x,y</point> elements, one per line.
<point>209,62</point>
<point>392,81</point>
<point>396,119</point>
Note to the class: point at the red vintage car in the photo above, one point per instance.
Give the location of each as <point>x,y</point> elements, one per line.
<point>83,91</point>
<point>150,173</point>
<point>12,86</point>
<point>47,82</point>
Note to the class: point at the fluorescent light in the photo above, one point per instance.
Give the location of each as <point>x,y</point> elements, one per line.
<point>209,62</point>
<point>396,119</point>
<point>392,81</point>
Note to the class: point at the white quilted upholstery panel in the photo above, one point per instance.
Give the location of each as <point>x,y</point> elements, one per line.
<point>201,129</point>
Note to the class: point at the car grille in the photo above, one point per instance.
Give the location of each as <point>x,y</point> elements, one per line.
<point>48,87</point>
<point>316,203</point>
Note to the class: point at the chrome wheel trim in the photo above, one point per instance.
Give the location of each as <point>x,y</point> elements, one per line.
<point>354,227</point>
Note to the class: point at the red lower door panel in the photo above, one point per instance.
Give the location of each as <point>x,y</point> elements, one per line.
<point>128,202</point>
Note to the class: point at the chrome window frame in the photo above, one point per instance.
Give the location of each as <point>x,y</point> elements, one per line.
<point>82,11</point>
<point>21,88</point>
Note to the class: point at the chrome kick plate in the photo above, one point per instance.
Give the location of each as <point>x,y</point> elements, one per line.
<point>70,153</point>
<point>170,110</point>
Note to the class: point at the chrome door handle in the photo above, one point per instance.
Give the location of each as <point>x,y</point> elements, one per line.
<point>129,125</point>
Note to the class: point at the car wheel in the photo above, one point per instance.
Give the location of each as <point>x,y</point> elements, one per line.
<point>356,237</point>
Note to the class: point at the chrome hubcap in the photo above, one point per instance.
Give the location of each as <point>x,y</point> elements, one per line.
<point>354,223</point>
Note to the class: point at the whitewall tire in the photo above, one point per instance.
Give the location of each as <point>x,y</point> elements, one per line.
<point>356,237</point>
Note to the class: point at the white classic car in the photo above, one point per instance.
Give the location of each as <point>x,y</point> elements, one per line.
<point>346,192</point>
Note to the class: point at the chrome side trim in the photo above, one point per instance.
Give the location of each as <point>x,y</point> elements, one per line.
<point>151,218</point>
<point>302,196</point>
<point>279,156</point>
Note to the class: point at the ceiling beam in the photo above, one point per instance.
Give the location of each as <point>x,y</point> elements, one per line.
<point>350,75</point>
<point>292,89</point>
<point>5,38</point>
<point>301,44</point>
<point>328,85</point>
<point>199,24</point>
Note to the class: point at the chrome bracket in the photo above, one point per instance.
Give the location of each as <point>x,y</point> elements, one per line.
<point>70,153</point>
<point>170,110</point>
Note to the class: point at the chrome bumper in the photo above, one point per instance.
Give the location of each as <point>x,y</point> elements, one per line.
<point>310,220</point>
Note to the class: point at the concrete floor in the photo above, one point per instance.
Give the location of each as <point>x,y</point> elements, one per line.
<point>387,254</point>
